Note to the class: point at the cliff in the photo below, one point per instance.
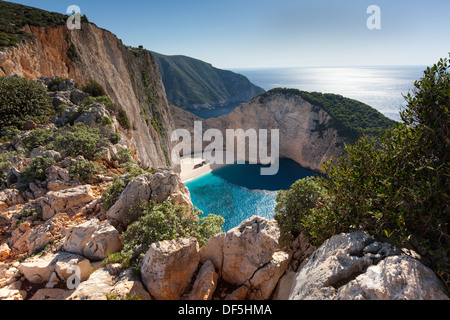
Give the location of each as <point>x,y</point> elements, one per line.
<point>311,131</point>
<point>194,84</point>
<point>131,80</point>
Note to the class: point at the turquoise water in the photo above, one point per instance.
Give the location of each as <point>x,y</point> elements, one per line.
<point>237,192</point>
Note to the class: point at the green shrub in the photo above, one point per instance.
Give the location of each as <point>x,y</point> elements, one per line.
<point>113,192</point>
<point>114,138</point>
<point>79,140</point>
<point>9,133</point>
<point>124,155</point>
<point>298,209</point>
<point>37,138</point>
<point>84,170</point>
<point>164,222</point>
<point>55,82</point>
<point>110,106</point>
<point>123,120</point>
<point>36,169</point>
<point>5,164</point>
<point>22,100</point>
<point>93,88</point>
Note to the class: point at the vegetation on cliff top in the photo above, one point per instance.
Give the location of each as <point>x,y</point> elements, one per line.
<point>395,186</point>
<point>352,117</point>
<point>13,17</point>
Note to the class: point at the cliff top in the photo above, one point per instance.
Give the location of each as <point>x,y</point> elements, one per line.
<point>351,115</point>
<point>13,18</point>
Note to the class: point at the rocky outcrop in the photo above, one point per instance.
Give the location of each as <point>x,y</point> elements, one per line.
<point>60,201</point>
<point>205,283</point>
<point>168,267</point>
<point>157,187</point>
<point>110,283</point>
<point>355,266</point>
<point>93,240</point>
<point>248,258</point>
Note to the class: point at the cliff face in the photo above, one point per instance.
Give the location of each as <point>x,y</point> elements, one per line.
<point>194,84</point>
<point>308,134</point>
<point>131,80</point>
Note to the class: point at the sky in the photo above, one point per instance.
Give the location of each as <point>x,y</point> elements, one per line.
<point>238,34</point>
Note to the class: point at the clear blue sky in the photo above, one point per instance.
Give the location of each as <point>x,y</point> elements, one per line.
<point>276,33</point>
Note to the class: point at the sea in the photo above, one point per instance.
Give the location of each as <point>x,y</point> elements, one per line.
<point>238,192</point>
<point>380,87</point>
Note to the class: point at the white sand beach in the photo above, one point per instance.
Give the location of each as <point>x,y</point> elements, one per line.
<point>196,166</point>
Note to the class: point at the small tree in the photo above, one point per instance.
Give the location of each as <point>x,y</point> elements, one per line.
<point>22,100</point>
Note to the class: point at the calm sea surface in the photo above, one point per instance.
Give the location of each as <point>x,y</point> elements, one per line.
<point>238,192</point>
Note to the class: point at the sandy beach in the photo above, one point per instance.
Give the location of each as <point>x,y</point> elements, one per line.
<point>196,166</point>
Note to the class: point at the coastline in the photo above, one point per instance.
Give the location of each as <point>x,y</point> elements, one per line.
<point>189,171</point>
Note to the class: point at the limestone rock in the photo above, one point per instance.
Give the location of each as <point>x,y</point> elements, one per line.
<point>137,190</point>
<point>5,251</point>
<point>395,278</point>
<point>213,251</point>
<point>77,96</point>
<point>29,125</point>
<point>128,285</point>
<point>13,292</point>
<point>168,267</point>
<point>51,294</point>
<point>97,287</point>
<point>284,287</point>
<point>355,266</point>
<point>110,283</point>
<point>104,240</point>
<point>94,115</point>
<point>38,269</point>
<point>11,197</point>
<point>8,274</point>
<point>249,247</point>
<point>205,283</point>
<point>40,237</point>
<point>165,184</point>
<point>158,188</point>
<point>62,201</point>
<point>42,152</point>
<point>93,240</point>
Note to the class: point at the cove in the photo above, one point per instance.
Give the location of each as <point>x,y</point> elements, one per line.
<point>238,192</point>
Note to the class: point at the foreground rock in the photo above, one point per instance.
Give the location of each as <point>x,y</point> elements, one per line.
<point>93,240</point>
<point>355,266</point>
<point>168,267</point>
<point>110,283</point>
<point>63,201</point>
<point>157,187</point>
<point>249,258</point>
